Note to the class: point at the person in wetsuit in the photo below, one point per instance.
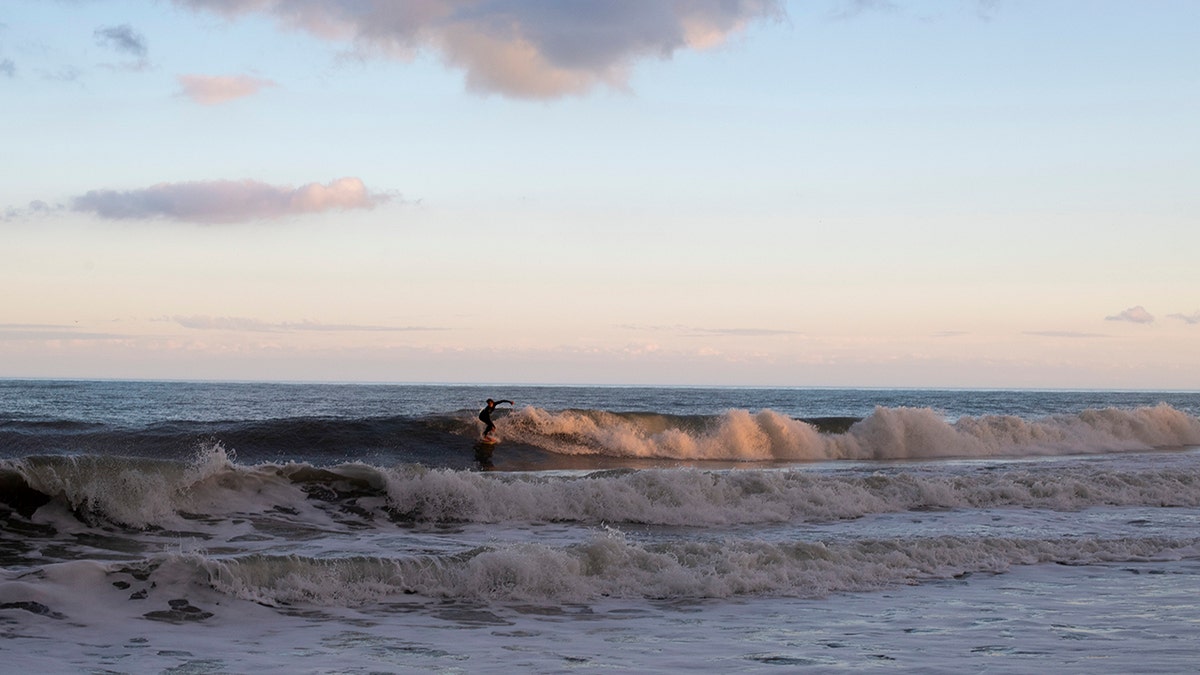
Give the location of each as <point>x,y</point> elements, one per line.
<point>485,416</point>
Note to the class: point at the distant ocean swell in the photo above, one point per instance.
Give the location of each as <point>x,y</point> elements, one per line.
<point>610,565</point>
<point>143,493</point>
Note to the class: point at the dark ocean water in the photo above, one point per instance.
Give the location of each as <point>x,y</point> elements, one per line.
<point>436,425</point>
<point>230,527</point>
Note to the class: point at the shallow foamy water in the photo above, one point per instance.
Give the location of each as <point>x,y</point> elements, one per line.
<point>1128,617</point>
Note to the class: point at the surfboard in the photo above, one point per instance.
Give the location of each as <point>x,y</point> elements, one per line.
<point>490,440</point>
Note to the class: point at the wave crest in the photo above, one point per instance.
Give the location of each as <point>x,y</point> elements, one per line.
<point>888,433</point>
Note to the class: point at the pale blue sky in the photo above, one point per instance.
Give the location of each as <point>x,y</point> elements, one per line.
<point>803,193</point>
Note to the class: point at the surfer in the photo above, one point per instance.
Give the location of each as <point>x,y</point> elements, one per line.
<point>485,416</point>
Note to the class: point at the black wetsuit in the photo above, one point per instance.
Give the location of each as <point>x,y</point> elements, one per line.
<point>485,416</point>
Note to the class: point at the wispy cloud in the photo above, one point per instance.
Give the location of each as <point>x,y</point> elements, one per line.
<point>1065,334</point>
<point>851,8</point>
<point>217,89</point>
<point>35,208</point>
<point>10,332</point>
<point>7,67</point>
<point>66,74</point>
<point>243,324</point>
<point>227,201</point>
<point>692,331</point>
<point>519,48</point>
<point>743,332</point>
<point>122,38</point>
<point>1136,314</point>
<point>1192,319</point>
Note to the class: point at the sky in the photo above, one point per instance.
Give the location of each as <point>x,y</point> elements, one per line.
<point>867,193</point>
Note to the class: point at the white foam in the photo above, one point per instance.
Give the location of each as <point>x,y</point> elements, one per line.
<point>1112,618</point>
<point>609,565</point>
<point>699,498</point>
<point>229,500</point>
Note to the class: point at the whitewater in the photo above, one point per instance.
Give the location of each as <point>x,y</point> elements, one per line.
<point>238,527</point>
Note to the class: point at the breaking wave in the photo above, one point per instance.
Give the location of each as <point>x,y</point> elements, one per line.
<point>157,493</point>
<point>888,433</point>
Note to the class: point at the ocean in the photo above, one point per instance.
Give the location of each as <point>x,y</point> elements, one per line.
<point>183,527</point>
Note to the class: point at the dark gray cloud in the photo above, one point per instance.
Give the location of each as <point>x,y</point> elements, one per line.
<point>227,201</point>
<point>122,38</point>
<point>518,48</point>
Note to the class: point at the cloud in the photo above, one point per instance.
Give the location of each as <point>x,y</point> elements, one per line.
<point>744,332</point>
<point>10,332</point>
<point>62,74</point>
<point>1136,314</point>
<point>227,201</point>
<point>123,39</point>
<point>8,68</point>
<point>530,49</point>
<point>1191,319</point>
<point>216,89</point>
<point>691,331</point>
<point>36,207</point>
<point>852,8</point>
<point>1065,334</point>
<point>241,324</point>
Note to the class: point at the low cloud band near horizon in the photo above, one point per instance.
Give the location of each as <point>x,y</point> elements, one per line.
<point>227,201</point>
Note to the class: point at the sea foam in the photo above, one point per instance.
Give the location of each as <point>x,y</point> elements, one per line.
<point>157,493</point>
<point>610,565</point>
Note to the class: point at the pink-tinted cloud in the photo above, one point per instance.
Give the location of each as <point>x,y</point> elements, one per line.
<point>1136,314</point>
<point>216,89</point>
<point>519,48</point>
<point>227,201</point>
